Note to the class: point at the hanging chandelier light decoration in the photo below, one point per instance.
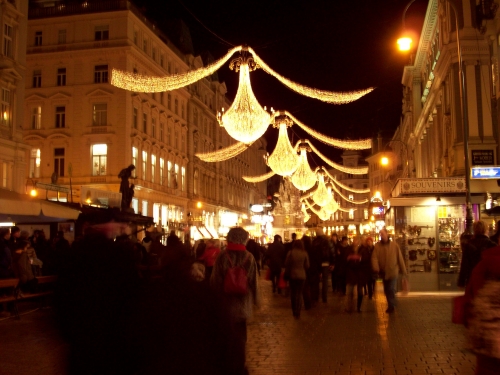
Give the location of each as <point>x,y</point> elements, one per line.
<point>259,178</point>
<point>223,153</point>
<point>321,196</point>
<point>361,144</point>
<point>321,213</point>
<point>323,95</point>
<point>333,179</point>
<point>245,120</point>
<point>339,167</point>
<point>363,201</point>
<point>303,178</point>
<point>284,159</point>
<point>331,207</point>
<point>142,83</point>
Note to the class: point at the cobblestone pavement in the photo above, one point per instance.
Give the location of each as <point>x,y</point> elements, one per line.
<point>418,338</point>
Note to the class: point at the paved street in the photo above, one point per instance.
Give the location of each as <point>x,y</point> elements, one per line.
<point>418,339</point>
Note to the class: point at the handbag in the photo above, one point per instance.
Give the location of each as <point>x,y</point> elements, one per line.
<point>405,285</point>
<point>458,310</point>
<point>282,282</point>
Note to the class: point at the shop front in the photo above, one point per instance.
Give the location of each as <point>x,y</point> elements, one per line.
<point>426,217</point>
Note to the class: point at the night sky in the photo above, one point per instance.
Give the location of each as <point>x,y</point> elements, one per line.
<point>333,45</point>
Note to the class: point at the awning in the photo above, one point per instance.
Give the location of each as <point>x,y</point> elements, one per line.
<point>21,208</point>
<point>205,233</point>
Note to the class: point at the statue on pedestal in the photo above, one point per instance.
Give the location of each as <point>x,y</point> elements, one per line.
<point>126,189</point>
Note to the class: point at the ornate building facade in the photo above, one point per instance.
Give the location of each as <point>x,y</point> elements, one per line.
<point>85,130</point>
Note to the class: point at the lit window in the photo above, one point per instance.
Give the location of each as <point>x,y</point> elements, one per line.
<point>35,163</point>
<point>101,74</point>
<point>351,214</point>
<point>36,117</point>
<point>153,168</point>
<point>169,174</point>
<point>5,120</point>
<point>135,155</point>
<point>365,214</point>
<point>60,117</point>
<point>351,197</point>
<point>7,40</point>
<point>162,170</point>
<point>144,163</point>
<point>101,32</point>
<point>145,208</point>
<point>176,173</point>
<point>100,114</point>
<point>61,77</point>
<point>183,178</point>
<point>99,159</point>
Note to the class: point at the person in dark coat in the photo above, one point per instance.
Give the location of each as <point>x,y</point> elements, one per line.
<point>296,265</point>
<point>5,254</point>
<point>22,267</point>
<point>496,237</point>
<point>275,257</point>
<point>334,242</point>
<point>356,275</point>
<point>306,291</point>
<point>314,271</point>
<point>254,248</point>
<point>341,265</point>
<point>471,252</point>
<point>321,248</point>
<point>366,251</point>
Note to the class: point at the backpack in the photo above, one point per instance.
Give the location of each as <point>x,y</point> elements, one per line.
<point>235,281</point>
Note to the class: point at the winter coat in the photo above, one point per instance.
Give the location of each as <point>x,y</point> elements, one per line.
<point>471,255</point>
<point>22,266</point>
<point>387,259</point>
<point>275,256</point>
<point>237,307</point>
<point>356,266</point>
<point>297,263</point>
<point>5,260</point>
<point>483,297</point>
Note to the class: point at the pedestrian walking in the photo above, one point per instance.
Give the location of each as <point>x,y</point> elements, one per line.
<point>296,265</point>
<point>235,309</point>
<point>388,262</point>
<point>341,265</point>
<point>355,276</point>
<point>321,247</point>
<point>275,257</point>
<point>366,251</point>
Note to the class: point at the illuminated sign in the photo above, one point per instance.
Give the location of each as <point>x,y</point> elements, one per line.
<point>485,173</point>
<point>378,210</point>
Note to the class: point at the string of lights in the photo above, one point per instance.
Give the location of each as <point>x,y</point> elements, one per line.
<point>346,198</point>
<point>362,144</point>
<point>341,168</point>
<point>259,178</point>
<point>321,213</point>
<point>223,153</point>
<point>141,83</point>
<point>345,187</point>
<point>323,95</point>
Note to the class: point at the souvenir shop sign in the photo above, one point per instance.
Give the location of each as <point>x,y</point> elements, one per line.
<point>414,186</point>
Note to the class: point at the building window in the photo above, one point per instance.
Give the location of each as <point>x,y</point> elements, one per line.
<point>153,168</point>
<point>61,77</point>
<point>7,40</point>
<point>144,163</point>
<point>135,155</point>
<point>196,182</point>
<point>176,106</point>
<point>101,74</point>
<point>153,127</point>
<point>162,60</point>
<point>99,159</point>
<point>169,136</point>
<point>145,123</point>
<point>176,140</point>
<point>162,126</point>
<point>176,173</point>
<point>365,214</point>
<point>61,38</point>
<point>59,162</point>
<point>145,45</point>
<point>183,178</point>
<point>135,205</point>
<point>134,118</point>
<point>169,174</point>
<point>153,53</point>
<point>38,38</point>
<point>37,78</point>
<point>351,214</point>
<point>100,114</point>
<point>144,208</point>
<point>60,117</point>
<point>36,117</point>
<point>136,37</point>
<point>169,101</point>
<point>183,112</point>
<point>351,197</point>
<point>162,170</point>
<point>101,32</point>
<point>183,143</point>
<point>35,163</point>
<point>5,107</point>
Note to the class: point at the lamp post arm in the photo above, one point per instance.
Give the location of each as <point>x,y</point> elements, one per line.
<point>404,12</point>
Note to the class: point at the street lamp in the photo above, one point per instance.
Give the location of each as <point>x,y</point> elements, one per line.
<point>384,160</point>
<point>465,125</point>
<point>33,192</point>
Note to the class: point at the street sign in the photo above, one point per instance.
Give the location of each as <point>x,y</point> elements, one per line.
<point>485,173</point>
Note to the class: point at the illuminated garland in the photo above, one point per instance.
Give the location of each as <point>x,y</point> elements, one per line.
<point>345,187</point>
<point>323,95</point>
<point>322,214</point>
<point>362,144</point>
<point>346,198</point>
<point>141,83</point>
<point>259,178</point>
<point>223,153</point>
<point>341,168</point>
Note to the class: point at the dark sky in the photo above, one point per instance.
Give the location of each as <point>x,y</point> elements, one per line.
<point>333,45</point>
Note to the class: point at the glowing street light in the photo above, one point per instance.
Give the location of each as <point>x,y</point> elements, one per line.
<point>404,43</point>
